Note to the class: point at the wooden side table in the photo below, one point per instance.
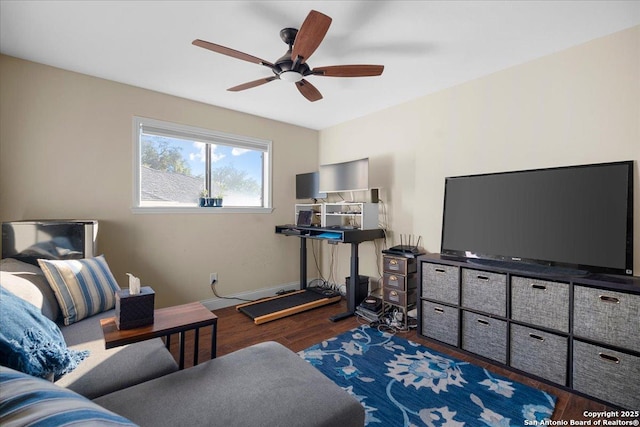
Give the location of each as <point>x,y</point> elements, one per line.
<point>167,321</point>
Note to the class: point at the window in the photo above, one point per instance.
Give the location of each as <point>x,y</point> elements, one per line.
<point>175,164</point>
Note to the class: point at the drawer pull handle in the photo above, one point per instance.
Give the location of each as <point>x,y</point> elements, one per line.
<point>609,358</point>
<point>483,322</point>
<point>541,287</point>
<point>438,310</point>
<point>393,279</point>
<point>612,300</point>
<point>483,278</point>
<point>439,270</point>
<point>393,293</point>
<point>536,337</point>
<point>393,262</point>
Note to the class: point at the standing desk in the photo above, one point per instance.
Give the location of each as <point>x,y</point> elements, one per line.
<point>351,236</point>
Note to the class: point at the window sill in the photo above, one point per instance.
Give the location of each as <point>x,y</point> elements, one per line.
<point>199,210</point>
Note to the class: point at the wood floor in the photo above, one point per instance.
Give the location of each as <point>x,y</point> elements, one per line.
<point>235,331</point>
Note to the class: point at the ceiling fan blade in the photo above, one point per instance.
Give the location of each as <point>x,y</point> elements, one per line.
<point>254,83</point>
<point>349,70</point>
<point>231,52</point>
<point>310,35</point>
<point>308,90</point>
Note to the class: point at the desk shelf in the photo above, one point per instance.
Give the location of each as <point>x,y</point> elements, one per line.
<point>359,215</point>
<point>346,236</point>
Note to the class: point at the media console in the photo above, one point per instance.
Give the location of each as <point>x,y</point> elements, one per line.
<point>578,332</point>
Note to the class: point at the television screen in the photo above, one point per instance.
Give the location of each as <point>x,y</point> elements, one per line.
<point>579,217</point>
<point>307,186</point>
<point>29,241</point>
<point>346,176</point>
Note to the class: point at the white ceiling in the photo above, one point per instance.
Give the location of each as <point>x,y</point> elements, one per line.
<point>425,46</point>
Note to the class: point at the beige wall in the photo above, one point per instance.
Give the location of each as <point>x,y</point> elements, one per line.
<point>578,106</point>
<point>66,152</point>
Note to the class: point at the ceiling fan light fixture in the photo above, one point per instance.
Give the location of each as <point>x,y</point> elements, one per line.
<point>290,76</point>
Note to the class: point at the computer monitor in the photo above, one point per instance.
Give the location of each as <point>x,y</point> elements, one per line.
<point>307,185</point>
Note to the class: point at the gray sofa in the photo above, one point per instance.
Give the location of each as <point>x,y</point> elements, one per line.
<point>265,384</point>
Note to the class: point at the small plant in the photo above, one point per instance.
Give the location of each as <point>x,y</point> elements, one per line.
<point>220,190</point>
<point>204,198</point>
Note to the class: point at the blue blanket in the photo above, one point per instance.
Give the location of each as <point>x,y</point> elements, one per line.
<point>30,342</point>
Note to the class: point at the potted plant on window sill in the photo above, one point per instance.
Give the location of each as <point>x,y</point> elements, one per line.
<point>204,200</point>
<point>217,201</point>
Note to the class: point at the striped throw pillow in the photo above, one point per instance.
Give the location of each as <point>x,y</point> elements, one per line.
<point>26,400</point>
<point>83,287</point>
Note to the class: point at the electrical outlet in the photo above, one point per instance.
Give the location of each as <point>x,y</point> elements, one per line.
<point>213,278</point>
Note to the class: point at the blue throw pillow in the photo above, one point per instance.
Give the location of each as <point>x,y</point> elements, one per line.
<point>31,343</point>
<point>26,400</point>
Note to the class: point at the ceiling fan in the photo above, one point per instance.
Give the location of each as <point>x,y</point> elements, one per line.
<point>292,66</point>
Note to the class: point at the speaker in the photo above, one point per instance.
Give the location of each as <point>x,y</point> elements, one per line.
<point>374,195</point>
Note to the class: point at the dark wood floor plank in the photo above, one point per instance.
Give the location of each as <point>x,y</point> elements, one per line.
<point>300,331</point>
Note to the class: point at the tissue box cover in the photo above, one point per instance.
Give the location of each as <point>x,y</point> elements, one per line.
<point>134,310</point>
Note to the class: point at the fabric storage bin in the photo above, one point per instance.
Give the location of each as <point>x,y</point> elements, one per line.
<point>605,374</point>
<point>398,265</point>
<point>440,282</point>
<point>607,316</point>
<point>484,291</point>
<point>550,350</point>
<point>485,336</point>
<point>440,322</point>
<point>540,302</point>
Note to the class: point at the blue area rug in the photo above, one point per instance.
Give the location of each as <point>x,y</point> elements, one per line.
<point>401,383</point>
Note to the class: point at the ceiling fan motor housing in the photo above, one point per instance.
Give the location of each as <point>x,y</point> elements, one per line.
<point>284,67</point>
<point>285,70</point>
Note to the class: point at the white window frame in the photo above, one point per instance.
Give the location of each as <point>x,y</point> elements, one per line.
<point>176,130</point>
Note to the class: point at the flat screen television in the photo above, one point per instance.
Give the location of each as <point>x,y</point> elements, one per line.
<point>307,185</point>
<point>345,176</point>
<point>576,217</point>
<point>29,241</point>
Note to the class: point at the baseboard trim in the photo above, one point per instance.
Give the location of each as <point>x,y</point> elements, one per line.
<point>218,303</point>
